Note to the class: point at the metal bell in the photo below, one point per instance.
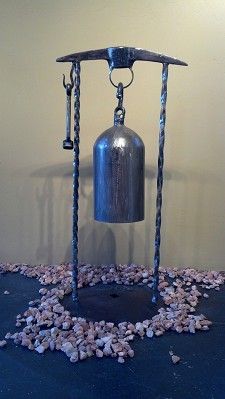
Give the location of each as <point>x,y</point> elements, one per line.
<point>119,169</point>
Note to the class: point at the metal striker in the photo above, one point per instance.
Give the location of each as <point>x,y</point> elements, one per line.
<point>68,143</point>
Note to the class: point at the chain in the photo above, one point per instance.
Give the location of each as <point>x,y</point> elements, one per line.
<point>119,112</point>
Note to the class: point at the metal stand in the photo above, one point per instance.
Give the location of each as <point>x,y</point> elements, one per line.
<point>117,57</point>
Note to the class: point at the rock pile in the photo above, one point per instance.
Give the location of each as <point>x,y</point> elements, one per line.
<point>48,325</point>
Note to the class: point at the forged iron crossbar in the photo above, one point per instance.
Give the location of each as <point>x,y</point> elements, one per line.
<point>120,57</point>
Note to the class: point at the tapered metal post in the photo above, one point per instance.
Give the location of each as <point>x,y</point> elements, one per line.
<point>160,182</point>
<point>76,161</point>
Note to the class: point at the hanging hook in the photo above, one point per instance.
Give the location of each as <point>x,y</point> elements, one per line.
<point>68,86</point>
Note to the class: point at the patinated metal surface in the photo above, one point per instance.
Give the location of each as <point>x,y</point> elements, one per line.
<point>162,122</point>
<point>120,57</point>
<point>119,164</point>
<point>118,159</point>
<point>76,163</point>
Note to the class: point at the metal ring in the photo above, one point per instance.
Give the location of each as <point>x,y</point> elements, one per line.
<point>132,78</point>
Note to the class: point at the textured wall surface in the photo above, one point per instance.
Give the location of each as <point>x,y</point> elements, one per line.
<point>35,173</point>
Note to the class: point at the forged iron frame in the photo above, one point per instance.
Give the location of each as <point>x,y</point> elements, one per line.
<point>117,57</point>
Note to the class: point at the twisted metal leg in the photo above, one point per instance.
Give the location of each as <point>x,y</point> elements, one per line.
<point>160,182</point>
<point>76,162</point>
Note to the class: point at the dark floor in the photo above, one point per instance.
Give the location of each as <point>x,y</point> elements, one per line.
<point>149,375</point>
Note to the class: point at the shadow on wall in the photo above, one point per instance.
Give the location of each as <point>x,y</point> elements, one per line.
<point>99,243</point>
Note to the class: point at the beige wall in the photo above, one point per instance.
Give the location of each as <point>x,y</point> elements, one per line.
<point>35,173</point>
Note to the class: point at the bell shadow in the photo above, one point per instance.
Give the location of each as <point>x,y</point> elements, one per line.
<point>45,208</point>
<point>96,241</point>
<point>49,236</point>
<point>199,181</point>
<point>99,243</point>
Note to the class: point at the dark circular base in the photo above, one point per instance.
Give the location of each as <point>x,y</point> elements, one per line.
<point>115,303</point>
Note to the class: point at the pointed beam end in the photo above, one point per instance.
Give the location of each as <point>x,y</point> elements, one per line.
<point>121,57</point>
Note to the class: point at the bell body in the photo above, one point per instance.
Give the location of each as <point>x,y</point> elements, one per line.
<point>119,159</point>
